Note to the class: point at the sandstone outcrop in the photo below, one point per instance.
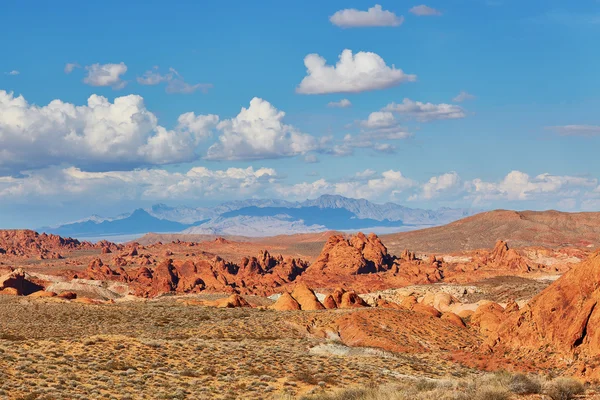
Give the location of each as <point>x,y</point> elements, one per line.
<point>233,301</point>
<point>28,243</point>
<point>285,302</point>
<point>306,298</point>
<point>563,321</point>
<point>19,282</point>
<point>358,255</point>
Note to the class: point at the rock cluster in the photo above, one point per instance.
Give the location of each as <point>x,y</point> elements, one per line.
<point>562,321</point>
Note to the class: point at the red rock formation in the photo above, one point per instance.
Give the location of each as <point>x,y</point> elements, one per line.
<point>27,243</point>
<point>359,255</point>
<point>285,302</point>
<point>306,298</point>
<point>233,301</point>
<point>561,324</point>
<point>453,319</point>
<point>401,331</point>
<point>488,318</point>
<point>19,283</point>
<point>352,300</point>
<point>508,259</point>
<point>329,302</point>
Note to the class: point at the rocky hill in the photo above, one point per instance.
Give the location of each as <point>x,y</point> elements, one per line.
<point>560,325</point>
<point>518,228</point>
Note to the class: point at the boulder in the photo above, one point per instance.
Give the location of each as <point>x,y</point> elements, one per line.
<point>453,319</point>
<point>329,302</point>
<point>285,302</point>
<point>233,301</point>
<point>425,309</point>
<point>306,298</point>
<point>352,300</point>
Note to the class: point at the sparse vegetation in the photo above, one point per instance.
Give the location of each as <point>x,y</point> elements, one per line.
<point>495,386</point>
<point>563,389</point>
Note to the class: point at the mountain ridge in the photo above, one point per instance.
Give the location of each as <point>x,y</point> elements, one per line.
<point>263,217</point>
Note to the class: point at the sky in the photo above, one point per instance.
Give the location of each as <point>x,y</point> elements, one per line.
<point>107,107</point>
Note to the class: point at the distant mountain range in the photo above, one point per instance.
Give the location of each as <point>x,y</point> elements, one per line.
<point>258,217</point>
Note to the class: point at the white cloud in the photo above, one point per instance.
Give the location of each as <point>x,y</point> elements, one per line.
<point>175,82</point>
<point>425,11</point>
<point>425,112</point>
<point>438,185</point>
<point>69,67</point>
<point>367,173</point>
<point>379,119</point>
<point>374,16</point>
<point>13,72</point>
<point>106,75</point>
<point>356,73</point>
<point>382,125</point>
<point>99,135</point>
<point>151,77</point>
<point>59,185</point>
<point>63,184</point>
<point>518,185</point>
<point>258,132</point>
<point>576,130</point>
<point>463,96</point>
<point>344,103</point>
<point>384,148</point>
<point>367,185</point>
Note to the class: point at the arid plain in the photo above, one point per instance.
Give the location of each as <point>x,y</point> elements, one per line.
<point>501,305</point>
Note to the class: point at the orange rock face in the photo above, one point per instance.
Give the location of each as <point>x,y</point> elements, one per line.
<point>285,302</point>
<point>358,255</point>
<point>19,283</point>
<point>27,243</point>
<point>560,323</point>
<point>306,298</point>
<point>233,301</point>
<point>401,331</point>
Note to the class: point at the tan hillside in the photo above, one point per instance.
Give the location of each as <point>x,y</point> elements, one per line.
<point>518,228</point>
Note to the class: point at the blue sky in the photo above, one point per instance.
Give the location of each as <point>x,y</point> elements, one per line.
<point>525,134</point>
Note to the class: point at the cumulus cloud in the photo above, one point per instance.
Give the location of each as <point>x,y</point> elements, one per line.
<point>353,73</point>
<point>518,185</point>
<point>58,185</point>
<point>463,96</point>
<point>174,80</point>
<point>576,130</point>
<point>13,72</point>
<point>106,75</point>
<point>374,16</point>
<point>438,185</point>
<point>258,132</point>
<point>425,112</point>
<point>425,11</point>
<point>383,125</point>
<point>69,67</point>
<point>344,103</point>
<point>63,184</point>
<point>100,135</point>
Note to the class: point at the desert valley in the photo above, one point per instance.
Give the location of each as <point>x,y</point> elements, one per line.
<point>299,200</point>
<point>500,305</point>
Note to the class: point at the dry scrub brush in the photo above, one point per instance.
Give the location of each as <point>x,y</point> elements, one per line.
<point>496,386</point>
